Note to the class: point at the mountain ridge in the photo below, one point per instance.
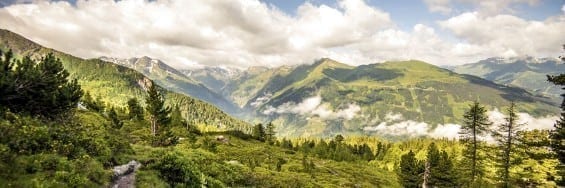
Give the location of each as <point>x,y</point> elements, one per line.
<point>528,73</point>
<point>115,84</point>
<point>415,89</point>
<point>174,80</point>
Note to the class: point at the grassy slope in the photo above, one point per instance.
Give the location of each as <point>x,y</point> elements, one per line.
<point>116,84</point>
<point>417,90</point>
<point>531,76</point>
<point>327,173</point>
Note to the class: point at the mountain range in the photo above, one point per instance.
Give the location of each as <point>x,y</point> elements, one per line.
<point>525,72</point>
<point>321,99</point>
<point>329,97</point>
<point>172,79</point>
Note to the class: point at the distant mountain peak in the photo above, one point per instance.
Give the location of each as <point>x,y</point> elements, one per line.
<point>330,63</point>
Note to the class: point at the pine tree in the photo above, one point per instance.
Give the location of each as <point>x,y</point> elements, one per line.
<point>338,138</point>
<point>93,104</point>
<point>475,125</point>
<point>176,117</point>
<point>37,88</point>
<point>558,134</point>
<point>270,133</point>
<point>158,113</point>
<point>259,132</point>
<point>505,136</point>
<point>114,119</point>
<point>439,168</point>
<point>410,171</point>
<point>135,110</point>
<point>535,167</point>
<point>6,77</point>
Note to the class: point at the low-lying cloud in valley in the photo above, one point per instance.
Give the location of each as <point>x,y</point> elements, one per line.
<point>313,106</point>
<point>395,125</point>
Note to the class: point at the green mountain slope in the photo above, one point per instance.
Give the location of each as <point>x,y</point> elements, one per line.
<point>115,84</point>
<point>528,73</point>
<point>328,97</point>
<point>174,80</point>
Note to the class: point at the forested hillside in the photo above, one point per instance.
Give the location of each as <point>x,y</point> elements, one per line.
<point>114,84</point>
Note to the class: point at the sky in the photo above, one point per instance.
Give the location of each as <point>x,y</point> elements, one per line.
<point>244,33</point>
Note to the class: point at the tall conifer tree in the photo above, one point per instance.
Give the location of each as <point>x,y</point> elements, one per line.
<point>158,113</point>
<point>505,135</point>
<point>475,125</point>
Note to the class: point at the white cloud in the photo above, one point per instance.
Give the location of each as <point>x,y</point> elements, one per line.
<point>487,7</point>
<point>528,121</point>
<point>392,126</point>
<point>390,117</point>
<point>262,100</point>
<point>450,131</point>
<point>441,6</point>
<point>313,106</point>
<point>507,35</point>
<point>415,129</point>
<point>242,33</point>
<point>405,128</point>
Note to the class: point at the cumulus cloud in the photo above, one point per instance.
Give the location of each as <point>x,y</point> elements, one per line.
<point>506,35</point>
<point>313,106</point>
<point>243,33</point>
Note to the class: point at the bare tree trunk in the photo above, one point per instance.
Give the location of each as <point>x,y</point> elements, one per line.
<point>426,174</point>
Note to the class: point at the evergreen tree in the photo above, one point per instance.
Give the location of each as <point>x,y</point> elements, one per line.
<point>322,149</point>
<point>176,117</point>
<point>505,136</point>
<point>439,168</point>
<point>6,78</point>
<point>135,109</point>
<point>286,144</point>
<point>270,133</point>
<point>92,104</point>
<point>338,138</point>
<point>280,162</point>
<point>114,119</point>
<point>366,153</point>
<point>558,134</point>
<point>410,171</point>
<point>536,164</point>
<point>158,113</point>
<point>37,88</point>
<point>259,132</point>
<point>475,124</point>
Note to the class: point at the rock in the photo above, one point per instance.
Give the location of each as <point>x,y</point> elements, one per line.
<point>222,139</point>
<point>126,169</point>
<point>124,175</point>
